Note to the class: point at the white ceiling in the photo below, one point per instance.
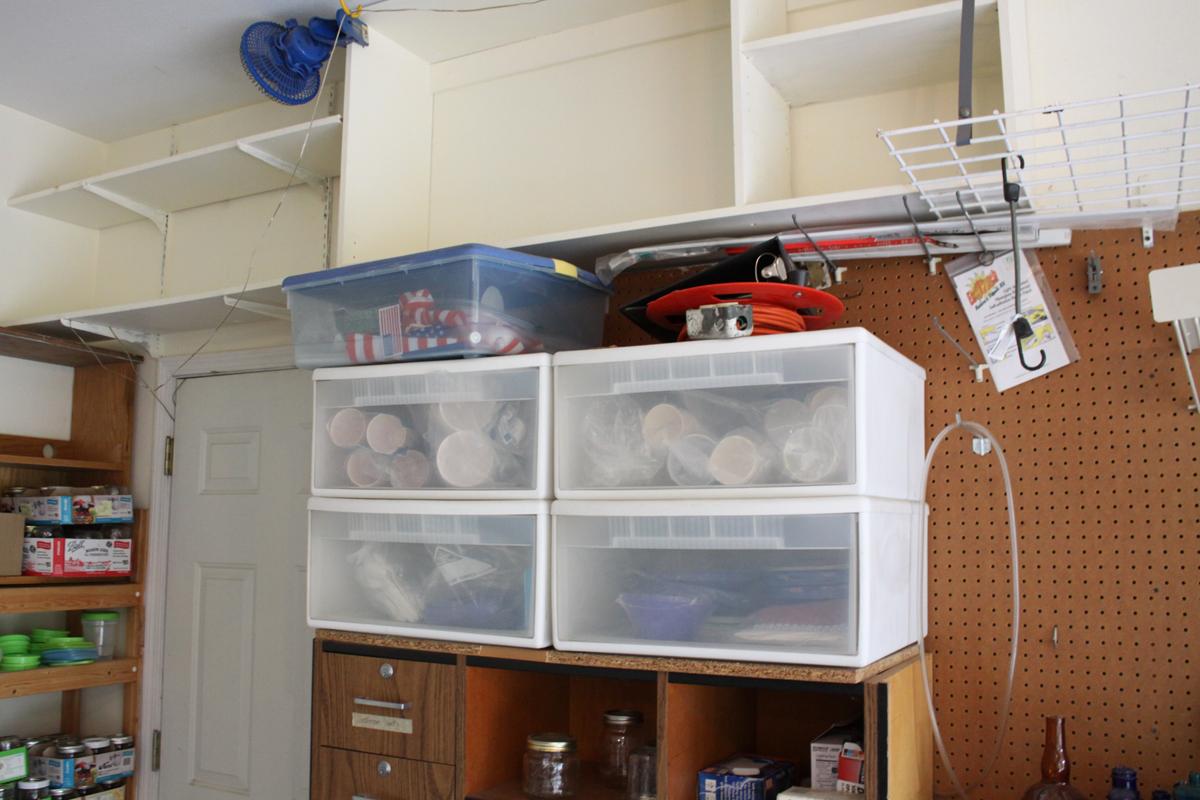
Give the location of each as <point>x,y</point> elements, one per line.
<point>111,69</point>
<point>441,36</point>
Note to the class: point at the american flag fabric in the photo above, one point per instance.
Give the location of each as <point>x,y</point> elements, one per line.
<point>416,327</point>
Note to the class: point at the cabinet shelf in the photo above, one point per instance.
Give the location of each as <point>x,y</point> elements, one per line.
<point>44,680</point>
<point>875,55</point>
<point>226,171</point>
<point>29,594</point>
<point>61,463</point>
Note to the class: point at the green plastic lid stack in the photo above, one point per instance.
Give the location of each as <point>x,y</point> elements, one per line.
<point>101,616</point>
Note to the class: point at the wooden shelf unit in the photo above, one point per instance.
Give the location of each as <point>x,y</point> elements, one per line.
<point>99,451</point>
<point>479,702</point>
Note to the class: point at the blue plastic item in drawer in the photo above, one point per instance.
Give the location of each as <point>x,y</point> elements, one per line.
<point>469,300</point>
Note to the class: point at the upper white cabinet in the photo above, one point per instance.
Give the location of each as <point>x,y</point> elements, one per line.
<point>645,118</point>
<point>814,82</point>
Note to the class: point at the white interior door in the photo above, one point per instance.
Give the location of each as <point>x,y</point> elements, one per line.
<point>237,661</point>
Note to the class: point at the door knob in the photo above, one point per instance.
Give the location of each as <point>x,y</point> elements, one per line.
<point>385,768</point>
<point>386,670</point>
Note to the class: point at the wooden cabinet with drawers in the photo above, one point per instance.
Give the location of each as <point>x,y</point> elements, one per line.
<point>405,719</point>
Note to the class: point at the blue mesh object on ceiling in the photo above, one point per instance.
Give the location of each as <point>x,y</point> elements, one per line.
<point>286,60</point>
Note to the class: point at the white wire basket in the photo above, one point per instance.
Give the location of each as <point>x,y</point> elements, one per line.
<point>1125,159</point>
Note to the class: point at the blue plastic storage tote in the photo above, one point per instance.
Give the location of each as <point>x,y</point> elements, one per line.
<point>469,300</point>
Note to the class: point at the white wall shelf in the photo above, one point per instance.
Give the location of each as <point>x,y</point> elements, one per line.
<point>239,168</point>
<point>875,55</point>
<point>139,321</point>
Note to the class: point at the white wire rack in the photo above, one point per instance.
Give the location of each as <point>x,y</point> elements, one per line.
<point>1134,157</point>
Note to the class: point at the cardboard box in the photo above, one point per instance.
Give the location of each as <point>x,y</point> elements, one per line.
<point>826,750</point>
<point>115,764</point>
<point>65,556</point>
<point>852,770</point>
<point>80,509</point>
<point>744,777</point>
<point>12,540</point>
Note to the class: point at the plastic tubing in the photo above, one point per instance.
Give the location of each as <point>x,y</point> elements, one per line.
<point>978,430</point>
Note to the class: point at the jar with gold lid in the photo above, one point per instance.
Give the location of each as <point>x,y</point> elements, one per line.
<point>551,766</point>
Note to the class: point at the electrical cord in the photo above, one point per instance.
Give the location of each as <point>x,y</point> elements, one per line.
<point>1006,705</point>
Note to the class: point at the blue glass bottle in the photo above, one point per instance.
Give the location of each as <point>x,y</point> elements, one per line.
<point>1124,784</point>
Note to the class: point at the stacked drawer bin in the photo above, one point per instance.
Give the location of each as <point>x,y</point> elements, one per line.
<point>430,513</point>
<point>752,499</point>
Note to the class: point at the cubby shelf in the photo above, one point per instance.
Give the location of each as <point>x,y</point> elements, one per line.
<point>65,679</point>
<point>226,171</point>
<point>27,594</point>
<point>875,55</point>
<point>62,463</point>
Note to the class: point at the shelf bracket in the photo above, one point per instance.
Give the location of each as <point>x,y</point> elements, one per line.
<point>159,218</point>
<point>262,309</point>
<point>108,331</point>
<point>283,165</point>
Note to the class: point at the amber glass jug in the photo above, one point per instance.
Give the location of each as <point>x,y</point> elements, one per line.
<point>1056,769</point>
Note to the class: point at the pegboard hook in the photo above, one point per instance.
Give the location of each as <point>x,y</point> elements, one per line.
<point>976,367</point>
<point>1021,326</point>
<point>930,258</point>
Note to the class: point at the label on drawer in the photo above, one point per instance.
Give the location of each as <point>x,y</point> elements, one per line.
<point>376,722</point>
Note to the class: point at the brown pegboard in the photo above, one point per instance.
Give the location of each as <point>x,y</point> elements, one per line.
<point>1105,459</point>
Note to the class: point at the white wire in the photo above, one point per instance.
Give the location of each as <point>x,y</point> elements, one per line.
<point>270,220</point>
<point>369,7</point>
<point>1006,705</point>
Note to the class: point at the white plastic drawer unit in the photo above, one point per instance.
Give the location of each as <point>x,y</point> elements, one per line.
<point>470,572</point>
<point>473,429</point>
<point>833,412</point>
<point>829,581</point>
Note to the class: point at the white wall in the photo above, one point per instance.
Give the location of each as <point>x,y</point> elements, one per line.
<point>1082,49</point>
<point>47,265</point>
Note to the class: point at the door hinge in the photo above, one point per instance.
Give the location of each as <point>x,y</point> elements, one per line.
<point>156,751</point>
<point>169,457</point>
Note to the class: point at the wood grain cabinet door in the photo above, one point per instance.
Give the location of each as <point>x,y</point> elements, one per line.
<point>399,708</point>
<point>344,775</point>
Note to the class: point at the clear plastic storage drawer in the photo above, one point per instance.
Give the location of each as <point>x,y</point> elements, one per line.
<point>472,572</point>
<point>814,581</point>
<point>464,429</point>
<point>818,413</point>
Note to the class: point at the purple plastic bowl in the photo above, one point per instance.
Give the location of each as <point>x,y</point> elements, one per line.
<point>666,617</point>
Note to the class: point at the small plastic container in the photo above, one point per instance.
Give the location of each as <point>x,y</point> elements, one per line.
<point>551,767</point>
<point>101,628</point>
<point>470,300</point>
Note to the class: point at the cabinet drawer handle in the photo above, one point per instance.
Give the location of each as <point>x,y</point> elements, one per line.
<point>385,768</point>
<point>363,701</point>
<point>386,670</point>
